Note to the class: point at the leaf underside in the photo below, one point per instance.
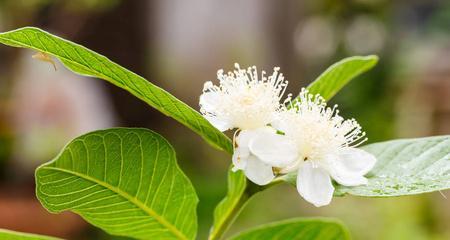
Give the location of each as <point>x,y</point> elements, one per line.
<point>297,229</point>
<point>125,181</point>
<point>89,63</point>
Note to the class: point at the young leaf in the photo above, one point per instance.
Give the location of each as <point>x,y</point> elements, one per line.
<point>86,62</point>
<point>405,167</point>
<point>228,209</point>
<point>125,181</point>
<point>13,235</point>
<point>297,229</point>
<point>340,73</point>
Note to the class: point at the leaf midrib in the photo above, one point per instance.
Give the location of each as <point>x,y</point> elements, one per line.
<point>128,197</point>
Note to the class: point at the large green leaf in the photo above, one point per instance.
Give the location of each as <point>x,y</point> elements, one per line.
<point>228,209</point>
<point>339,74</point>
<point>86,62</point>
<point>405,167</point>
<point>13,235</point>
<point>297,229</point>
<point>125,181</point>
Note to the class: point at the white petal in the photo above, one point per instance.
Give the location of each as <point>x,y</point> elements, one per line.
<point>314,184</point>
<point>280,124</point>
<point>209,101</point>
<point>244,137</point>
<point>240,156</point>
<point>273,149</point>
<point>350,165</point>
<point>349,180</point>
<point>241,152</point>
<point>357,160</point>
<point>258,172</point>
<point>291,167</point>
<point>218,123</point>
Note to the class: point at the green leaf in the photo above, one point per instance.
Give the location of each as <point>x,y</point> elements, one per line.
<point>340,73</point>
<point>86,62</point>
<point>228,209</point>
<point>125,181</point>
<point>405,167</point>
<point>297,229</point>
<point>13,235</point>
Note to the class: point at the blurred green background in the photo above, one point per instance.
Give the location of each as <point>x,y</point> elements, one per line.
<point>179,45</point>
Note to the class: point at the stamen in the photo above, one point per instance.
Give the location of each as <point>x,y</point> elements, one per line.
<point>319,129</point>
<point>245,99</point>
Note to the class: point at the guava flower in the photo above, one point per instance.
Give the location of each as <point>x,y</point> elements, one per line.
<point>243,99</point>
<point>325,148</point>
<point>248,102</point>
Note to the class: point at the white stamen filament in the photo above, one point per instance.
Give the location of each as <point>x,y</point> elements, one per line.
<point>319,130</point>
<point>243,99</point>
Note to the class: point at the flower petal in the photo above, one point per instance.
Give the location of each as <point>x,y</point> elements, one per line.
<point>218,123</point>
<point>314,184</point>
<point>209,101</point>
<point>357,160</point>
<point>244,137</point>
<point>258,172</point>
<point>291,167</point>
<point>239,158</point>
<point>350,165</point>
<point>273,149</point>
<point>280,124</point>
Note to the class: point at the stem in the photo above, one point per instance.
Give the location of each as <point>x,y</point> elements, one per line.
<point>250,190</point>
<point>222,228</point>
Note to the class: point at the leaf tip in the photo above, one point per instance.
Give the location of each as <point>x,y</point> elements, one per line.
<point>373,58</point>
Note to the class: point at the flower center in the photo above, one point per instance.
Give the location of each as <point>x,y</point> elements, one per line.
<point>247,100</point>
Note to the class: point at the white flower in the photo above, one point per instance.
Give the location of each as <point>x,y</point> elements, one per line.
<point>243,99</point>
<point>325,148</point>
<point>248,102</point>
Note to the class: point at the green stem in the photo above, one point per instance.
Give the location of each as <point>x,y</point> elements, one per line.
<point>222,228</point>
<point>250,190</point>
